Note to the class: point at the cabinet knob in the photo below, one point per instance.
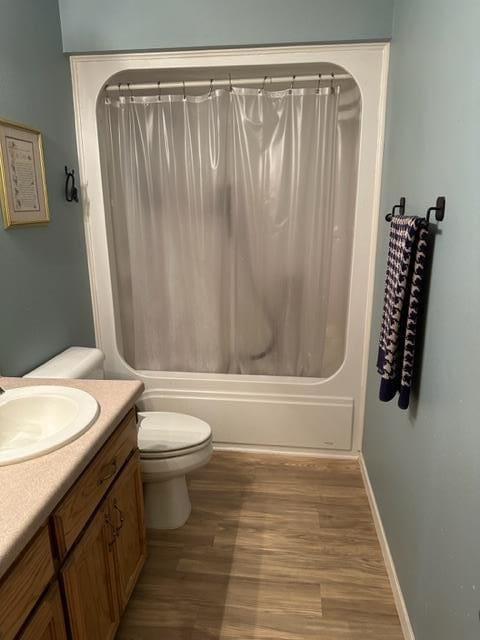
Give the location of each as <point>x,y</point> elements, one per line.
<point>121,516</point>
<point>113,529</point>
<point>109,470</point>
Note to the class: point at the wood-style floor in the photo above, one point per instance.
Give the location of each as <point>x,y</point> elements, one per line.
<point>276,548</point>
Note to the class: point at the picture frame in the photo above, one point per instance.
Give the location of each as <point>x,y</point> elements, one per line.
<point>23,186</point>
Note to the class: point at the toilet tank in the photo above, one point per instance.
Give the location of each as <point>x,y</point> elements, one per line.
<point>75,362</point>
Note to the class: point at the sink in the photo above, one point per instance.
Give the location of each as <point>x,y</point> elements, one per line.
<point>38,419</point>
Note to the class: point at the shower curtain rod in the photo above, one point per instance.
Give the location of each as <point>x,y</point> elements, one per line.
<point>228,82</point>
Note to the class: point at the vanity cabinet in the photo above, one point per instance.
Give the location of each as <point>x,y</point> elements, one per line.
<point>78,572</point>
<point>104,566</point>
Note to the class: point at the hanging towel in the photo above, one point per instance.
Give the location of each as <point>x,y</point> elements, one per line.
<point>407,254</point>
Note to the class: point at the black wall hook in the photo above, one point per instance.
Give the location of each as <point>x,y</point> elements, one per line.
<point>401,209</point>
<point>71,191</point>
<point>439,210</point>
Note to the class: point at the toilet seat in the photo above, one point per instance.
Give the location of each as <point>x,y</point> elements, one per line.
<point>163,434</point>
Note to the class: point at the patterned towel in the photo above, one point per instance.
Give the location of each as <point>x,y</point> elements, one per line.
<point>407,254</point>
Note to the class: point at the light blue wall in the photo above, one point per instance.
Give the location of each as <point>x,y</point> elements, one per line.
<point>44,291</point>
<point>425,463</point>
<point>113,25</point>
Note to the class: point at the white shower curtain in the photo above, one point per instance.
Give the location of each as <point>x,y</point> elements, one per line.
<point>222,214</point>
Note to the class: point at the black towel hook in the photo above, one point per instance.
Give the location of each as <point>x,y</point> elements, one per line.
<point>439,209</point>
<point>71,191</point>
<point>401,209</point>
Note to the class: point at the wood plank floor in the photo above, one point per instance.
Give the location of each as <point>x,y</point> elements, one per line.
<point>276,548</point>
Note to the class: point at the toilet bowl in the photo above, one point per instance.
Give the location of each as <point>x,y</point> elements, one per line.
<point>171,445</point>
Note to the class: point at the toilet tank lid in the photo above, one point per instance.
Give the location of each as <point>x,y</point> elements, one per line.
<point>74,362</point>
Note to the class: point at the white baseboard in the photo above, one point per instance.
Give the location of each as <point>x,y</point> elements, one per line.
<point>387,556</point>
<point>287,451</point>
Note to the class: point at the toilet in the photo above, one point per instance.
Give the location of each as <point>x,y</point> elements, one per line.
<point>171,444</point>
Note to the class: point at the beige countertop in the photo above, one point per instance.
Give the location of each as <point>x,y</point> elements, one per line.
<point>30,490</point>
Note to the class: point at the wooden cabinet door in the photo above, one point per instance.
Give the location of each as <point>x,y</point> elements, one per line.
<point>47,622</point>
<point>126,512</point>
<point>24,584</point>
<point>89,581</point>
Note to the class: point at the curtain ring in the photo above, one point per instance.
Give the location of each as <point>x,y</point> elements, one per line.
<point>230,82</point>
<point>332,88</point>
<point>159,91</point>
<point>319,81</point>
<point>264,83</point>
<point>120,93</point>
<point>291,85</point>
<point>184,90</point>
<point>210,91</point>
<point>130,91</point>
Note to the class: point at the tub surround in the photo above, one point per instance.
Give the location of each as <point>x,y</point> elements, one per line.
<point>242,410</point>
<point>30,490</point>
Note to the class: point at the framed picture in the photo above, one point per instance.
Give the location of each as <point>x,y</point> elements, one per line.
<point>23,188</point>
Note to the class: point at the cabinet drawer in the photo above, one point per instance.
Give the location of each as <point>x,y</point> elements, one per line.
<point>79,504</point>
<point>24,584</point>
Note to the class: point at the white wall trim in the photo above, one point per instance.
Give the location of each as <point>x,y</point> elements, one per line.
<point>196,57</point>
<point>387,556</point>
<point>382,114</point>
<point>285,451</point>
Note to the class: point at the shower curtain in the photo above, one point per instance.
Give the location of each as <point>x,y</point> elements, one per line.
<point>222,219</point>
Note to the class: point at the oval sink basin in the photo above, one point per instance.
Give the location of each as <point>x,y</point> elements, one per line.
<point>36,420</point>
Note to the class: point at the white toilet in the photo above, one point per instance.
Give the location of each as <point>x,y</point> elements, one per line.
<point>171,444</point>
